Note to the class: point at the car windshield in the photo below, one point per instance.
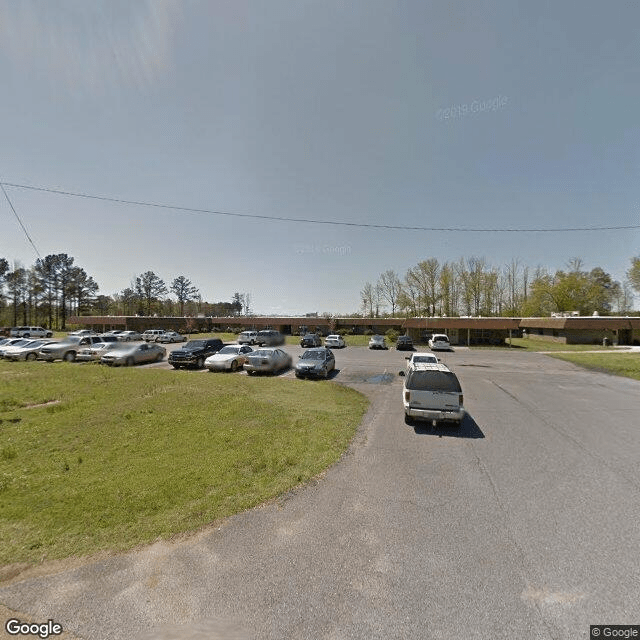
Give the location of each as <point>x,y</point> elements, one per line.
<point>229,350</point>
<point>425,359</point>
<point>313,355</point>
<point>194,344</point>
<point>433,381</point>
<point>263,353</point>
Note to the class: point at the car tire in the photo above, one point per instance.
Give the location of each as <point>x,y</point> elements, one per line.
<point>48,334</point>
<point>175,366</point>
<point>129,362</point>
<point>234,366</point>
<point>70,356</point>
<point>160,357</point>
<point>199,363</point>
<point>408,420</point>
<point>31,356</point>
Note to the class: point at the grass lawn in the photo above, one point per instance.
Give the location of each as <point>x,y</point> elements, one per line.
<point>532,344</point>
<point>620,364</point>
<point>94,458</point>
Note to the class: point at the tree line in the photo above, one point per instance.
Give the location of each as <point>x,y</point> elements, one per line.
<point>473,287</point>
<point>55,288</point>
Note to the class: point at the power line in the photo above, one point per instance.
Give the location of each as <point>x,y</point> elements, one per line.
<point>15,213</point>
<point>310,220</point>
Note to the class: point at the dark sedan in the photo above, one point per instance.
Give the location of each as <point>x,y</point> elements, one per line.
<point>316,363</point>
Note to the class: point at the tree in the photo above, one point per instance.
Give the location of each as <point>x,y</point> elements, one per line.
<point>390,288</point>
<point>184,290</point>
<point>634,274</point>
<point>150,288</point>
<point>367,299</point>
<point>16,286</point>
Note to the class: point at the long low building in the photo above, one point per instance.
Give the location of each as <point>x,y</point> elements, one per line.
<point>461,330</point>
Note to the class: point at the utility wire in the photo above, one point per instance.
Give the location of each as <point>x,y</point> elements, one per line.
<point>19,221</point>
<point>313,221</point>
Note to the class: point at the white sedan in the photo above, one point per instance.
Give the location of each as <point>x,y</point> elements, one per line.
<point>334,342</point>
<point>170,336</point>
<point>230,358</point>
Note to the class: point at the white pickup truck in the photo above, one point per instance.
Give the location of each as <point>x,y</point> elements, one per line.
<point>432,392</point>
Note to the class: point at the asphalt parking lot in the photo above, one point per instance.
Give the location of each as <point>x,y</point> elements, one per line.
<point>521,524</point>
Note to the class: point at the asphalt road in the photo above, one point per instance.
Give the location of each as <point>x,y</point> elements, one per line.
<point>523,524</point>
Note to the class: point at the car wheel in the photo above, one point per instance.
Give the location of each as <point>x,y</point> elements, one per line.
<point>160,357</point>
<point>234,366</point>
<point>70,356</point>
<point>49,334</point>
<point>200,363</point>
<point>408,419</point>
<point>31,356</point>
<point>129,362</point>
<point>175,366</point>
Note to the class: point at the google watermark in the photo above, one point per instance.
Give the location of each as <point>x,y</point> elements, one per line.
<point>15,627</point>
<point>341,250</point>
<point>477,106</point>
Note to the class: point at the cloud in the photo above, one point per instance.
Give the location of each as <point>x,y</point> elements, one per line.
<point>96,44</point>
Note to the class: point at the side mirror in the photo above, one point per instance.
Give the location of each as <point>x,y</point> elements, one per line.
<point>401,373</point>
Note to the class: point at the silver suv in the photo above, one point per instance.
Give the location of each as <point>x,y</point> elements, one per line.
<point>67,349</point>
<point>432,392</point>
<point>30,332</point>
<point>270,338</point>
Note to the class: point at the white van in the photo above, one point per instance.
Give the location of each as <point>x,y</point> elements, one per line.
<point>432,392</point>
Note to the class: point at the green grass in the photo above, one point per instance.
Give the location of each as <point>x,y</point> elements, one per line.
<point>620,364</point>
<point>118,457</point>
<point>533,344</point>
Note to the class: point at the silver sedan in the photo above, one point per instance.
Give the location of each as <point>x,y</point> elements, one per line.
<point>267,361</point>
<point>171,336</point>
<point>136,354</point>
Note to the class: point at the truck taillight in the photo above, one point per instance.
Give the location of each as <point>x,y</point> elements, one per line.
<point>460,397</point>
<point>406,396</point>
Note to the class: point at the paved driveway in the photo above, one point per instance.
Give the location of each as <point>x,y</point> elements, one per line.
<point>523,524</point>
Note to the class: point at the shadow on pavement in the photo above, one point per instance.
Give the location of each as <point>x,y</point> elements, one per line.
<point>468,429</point>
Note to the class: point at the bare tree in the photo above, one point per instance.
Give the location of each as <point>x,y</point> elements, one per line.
<point>390,288</point>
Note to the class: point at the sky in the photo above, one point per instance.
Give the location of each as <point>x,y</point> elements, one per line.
<point>485,115</point>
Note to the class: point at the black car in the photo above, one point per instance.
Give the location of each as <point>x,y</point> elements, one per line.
<point>311,340</point>
<point>194,353</point>
<point>316,363</point>
<point>404,342</point>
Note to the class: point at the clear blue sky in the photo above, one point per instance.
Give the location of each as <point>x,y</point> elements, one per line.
<point>326,110</point>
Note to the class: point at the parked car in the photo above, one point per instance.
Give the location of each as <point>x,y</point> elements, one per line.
<point>82,332</point>
<point>231,358</point>
<point>128,355</point>
<point>151,335</point>
<point>96,351</point>
<point>316,363</point>
<point>66,349</point>
<point>439,341</point>
<point>422,358</point>
<point>377,342</point>
<point>270,338</point>
<point>30,332</point>
<point>171,336</point>
<point>433,393</point>
<point>248,337</point>
<point>311,340</point>
<point>194,353</point>
<point>129,336</point>
<point>404,343</point>
<point>105,337</point>
<point>28,351</point>
<point>9,342</point>
<point>334,341</point>
<point>267,361</point>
